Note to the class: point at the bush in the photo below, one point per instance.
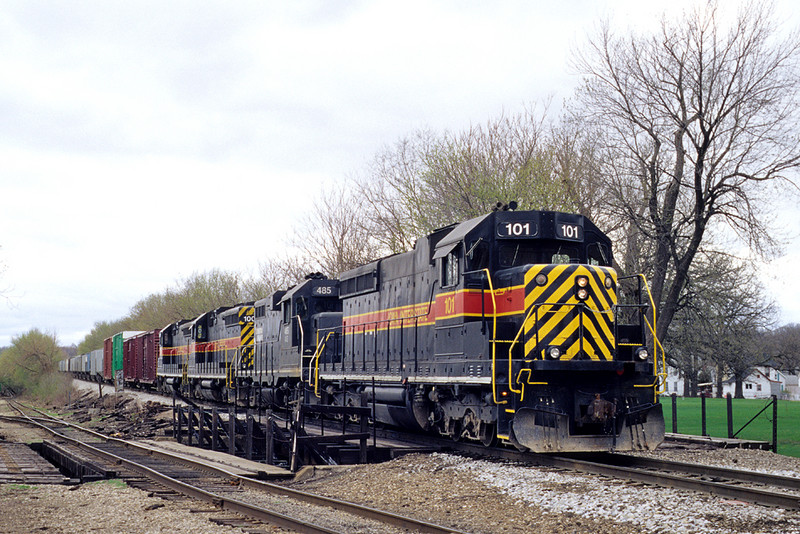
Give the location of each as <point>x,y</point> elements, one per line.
<point>30,367</point>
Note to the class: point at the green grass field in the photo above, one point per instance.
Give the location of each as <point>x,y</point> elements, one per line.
<point>690,422</point>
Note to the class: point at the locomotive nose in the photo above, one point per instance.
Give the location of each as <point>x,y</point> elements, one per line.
<point>569,312</point>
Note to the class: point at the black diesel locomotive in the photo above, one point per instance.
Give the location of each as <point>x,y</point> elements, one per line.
<point>506,326</point>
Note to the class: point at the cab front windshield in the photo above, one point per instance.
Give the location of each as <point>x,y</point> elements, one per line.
<point>517,253</point>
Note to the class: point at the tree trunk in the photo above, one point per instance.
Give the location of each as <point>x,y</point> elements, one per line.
<point>739,393</point>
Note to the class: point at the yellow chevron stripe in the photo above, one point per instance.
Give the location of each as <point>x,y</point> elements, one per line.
<point>248,336</point>
<point>605,298</point>
<point>538,290</point>
<point>605,319</point>
<point>562,301</point>
<point>600,340</point>
<point>561,338</point>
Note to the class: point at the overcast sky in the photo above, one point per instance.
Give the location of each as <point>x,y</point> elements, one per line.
<point>141,142</point>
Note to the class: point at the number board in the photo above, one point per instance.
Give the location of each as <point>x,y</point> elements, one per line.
<point>517,229</point>
<point>325,291</point>
<point>573,232</point>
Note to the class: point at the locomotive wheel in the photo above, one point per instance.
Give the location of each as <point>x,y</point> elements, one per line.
<point>455,429</point>
<point>488,434</point>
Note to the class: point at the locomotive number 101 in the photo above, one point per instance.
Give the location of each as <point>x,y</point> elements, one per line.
<point>569,231</point>
<point>516,229</point>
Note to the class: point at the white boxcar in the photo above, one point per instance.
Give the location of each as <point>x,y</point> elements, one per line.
<point>96,365</point>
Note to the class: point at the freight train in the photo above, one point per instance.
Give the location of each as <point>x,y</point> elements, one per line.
<point>508,327</point>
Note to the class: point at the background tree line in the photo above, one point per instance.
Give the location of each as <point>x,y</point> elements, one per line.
<point>674,143</point>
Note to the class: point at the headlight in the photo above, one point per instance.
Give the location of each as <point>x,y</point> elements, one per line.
<point>608,282</point>
<point>641,354</point>
<point>552,353</point>
<point>541,279</point>
<point>582,287</point>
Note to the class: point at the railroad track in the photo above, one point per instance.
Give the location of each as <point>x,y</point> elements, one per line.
<point>760,488</point>
<point>757,488</point>
<point>253,502</point>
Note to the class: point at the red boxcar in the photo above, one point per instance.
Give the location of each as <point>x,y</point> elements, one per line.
<point>129,364</point>
<point>108,355</point>
<point>140,357</point>
<point>150,351</point>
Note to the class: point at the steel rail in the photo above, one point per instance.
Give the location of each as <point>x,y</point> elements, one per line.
<point>224,503</point>
<point>751,477</point>
<point>641,474</point>
<point>720,489</point>
<point>633,468</point>
<point>24,419</point>
<point>275,489</point>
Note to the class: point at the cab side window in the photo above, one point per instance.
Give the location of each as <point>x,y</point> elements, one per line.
<point>478,255</point>
<point>450,269</point>
<point>302,307</point>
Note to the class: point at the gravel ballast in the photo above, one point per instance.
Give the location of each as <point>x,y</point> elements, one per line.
<point>492,497</point>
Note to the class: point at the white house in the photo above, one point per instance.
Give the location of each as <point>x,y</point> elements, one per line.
<point>763,382</point>
<point>674,382</point>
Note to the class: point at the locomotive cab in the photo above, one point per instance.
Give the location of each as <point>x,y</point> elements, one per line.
<point>307,310</point>
<point>172,353</point>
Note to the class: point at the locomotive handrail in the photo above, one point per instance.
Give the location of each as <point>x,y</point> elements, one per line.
<point>661,377</point>
<point>377,321</point>
<point>302,338</point>
<point>494,334</point>
<point>230,372</point>
<point>656,344</point>
<point>494,341</point>
<point>530,376</point>
<point>184,369</point>
<point>533,308</point>
<point>315,363</point>
<point>511,349</point>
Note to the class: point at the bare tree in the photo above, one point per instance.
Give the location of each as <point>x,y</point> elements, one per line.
<point>696,124</point>
<point>430,180</point>
<point>784,347</point>
<point>278,273</point>
<point>335,239</point>
<point>188,298</point>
